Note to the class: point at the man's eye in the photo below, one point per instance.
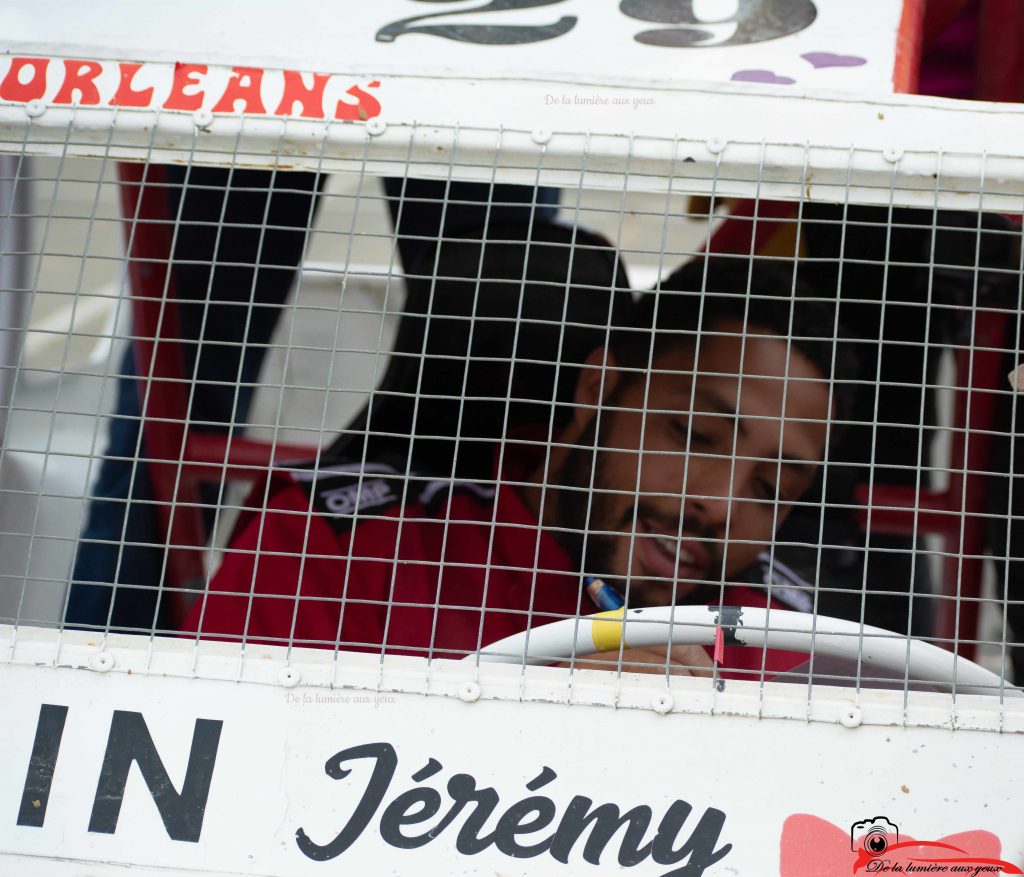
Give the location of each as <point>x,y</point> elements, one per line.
<point>769,489</point>
<point>695,437</point>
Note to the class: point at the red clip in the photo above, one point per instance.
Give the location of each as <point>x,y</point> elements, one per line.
<point>719,655</point>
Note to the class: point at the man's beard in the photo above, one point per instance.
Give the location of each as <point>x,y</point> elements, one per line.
<point>585,506</point>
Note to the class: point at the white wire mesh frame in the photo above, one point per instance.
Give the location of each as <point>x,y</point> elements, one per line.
<point>318,669</point>
<point>535,172</point>
<point>854,160</point>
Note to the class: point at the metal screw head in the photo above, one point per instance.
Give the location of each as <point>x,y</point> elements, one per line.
<point>663,703</point>
<point>202,119</point>
<point>101,662</point>
<point>540,136</point>
<point>35,108</point>
<point>469,691</point>
<point>892,154</point>
<point>376,126</point>
<point>851,717</point>
<point>289,677</point>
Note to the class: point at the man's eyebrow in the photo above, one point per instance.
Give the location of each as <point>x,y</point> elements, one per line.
<point>719,404</point>
<point>797,464</point>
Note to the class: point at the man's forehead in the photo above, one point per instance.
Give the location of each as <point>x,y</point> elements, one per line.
<point>726,347</point>
<point>759,359</point>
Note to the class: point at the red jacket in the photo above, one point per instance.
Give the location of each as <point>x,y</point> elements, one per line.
<point>460,565</point>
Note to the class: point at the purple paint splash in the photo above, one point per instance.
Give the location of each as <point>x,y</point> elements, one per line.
<point>829,59</point>
<point>761,76</point>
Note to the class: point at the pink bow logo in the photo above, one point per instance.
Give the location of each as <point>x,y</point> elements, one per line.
<point>812,847</point>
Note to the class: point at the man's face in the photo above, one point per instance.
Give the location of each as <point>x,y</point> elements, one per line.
<point>711,487</point>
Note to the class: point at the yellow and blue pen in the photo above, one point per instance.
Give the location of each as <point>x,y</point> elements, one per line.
<point>603,595</point>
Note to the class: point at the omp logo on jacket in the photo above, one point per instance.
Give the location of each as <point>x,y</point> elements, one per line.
<point>343,490</point>
<point>352,498</point>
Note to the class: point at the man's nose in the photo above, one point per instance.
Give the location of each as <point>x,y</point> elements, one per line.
<point>709,489</point>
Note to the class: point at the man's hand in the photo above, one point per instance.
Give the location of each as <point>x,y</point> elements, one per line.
<point>682,661</point>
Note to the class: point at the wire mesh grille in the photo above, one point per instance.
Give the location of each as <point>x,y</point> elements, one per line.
<point>416,414</point>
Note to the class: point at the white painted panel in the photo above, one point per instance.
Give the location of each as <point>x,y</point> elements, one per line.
<point>755,780</point>
<point>803,44</point>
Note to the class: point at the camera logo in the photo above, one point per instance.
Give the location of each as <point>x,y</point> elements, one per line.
<point>873,836</point>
